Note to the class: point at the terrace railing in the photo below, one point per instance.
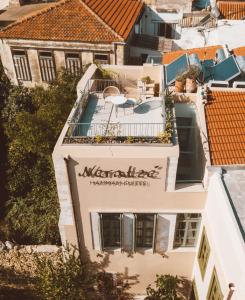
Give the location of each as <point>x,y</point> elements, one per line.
<point>98,85</point>
<point>115,129</point>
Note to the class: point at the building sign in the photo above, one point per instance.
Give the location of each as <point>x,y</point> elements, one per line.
<point>131,176</point>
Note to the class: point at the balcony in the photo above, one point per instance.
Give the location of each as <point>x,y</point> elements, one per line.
<point>156,43</point>
<point>141,119</point>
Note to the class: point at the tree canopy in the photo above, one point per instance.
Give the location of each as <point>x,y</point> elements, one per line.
<point>32,120</point>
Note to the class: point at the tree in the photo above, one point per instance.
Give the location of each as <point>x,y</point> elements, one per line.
<point>5,86</point>
<point>166,288</point>
<point>33,119</point>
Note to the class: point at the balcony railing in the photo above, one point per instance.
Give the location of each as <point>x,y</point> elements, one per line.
<point>115,129</point>
<point>98,85</point>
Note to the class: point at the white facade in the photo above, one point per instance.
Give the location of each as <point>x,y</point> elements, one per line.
<point>227,246</point>
<point>4,4</point>
<point>225,33</point>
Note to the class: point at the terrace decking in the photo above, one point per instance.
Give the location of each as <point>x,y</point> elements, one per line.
<point>100,118</point>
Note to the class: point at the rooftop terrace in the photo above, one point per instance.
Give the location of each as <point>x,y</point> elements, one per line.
<point>124,105</point>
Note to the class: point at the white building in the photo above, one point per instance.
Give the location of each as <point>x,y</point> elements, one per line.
<point>221,251</point>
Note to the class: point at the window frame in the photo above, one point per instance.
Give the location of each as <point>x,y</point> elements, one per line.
<point>153,232</point>
<point>214,281</point>
<point>101,53</point>
<point>204,243</point>
<point>187,221</point>
<point>106,248</point>
<point>27,66</point>
<point>163,29</point>
<point>80,62</point>
<point>53,72</point>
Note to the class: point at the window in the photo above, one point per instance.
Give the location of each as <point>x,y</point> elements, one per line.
<point>131,232</point>
<point>203,253</point>
<point>214,291</point>
<point>73,63</point>
<point>144,230</point>
<point>21,65</point>
<point>164,29</point>
<point>111,230</point>
<point>186,230</point>
<point>101,58</point>
<point>47,66</point>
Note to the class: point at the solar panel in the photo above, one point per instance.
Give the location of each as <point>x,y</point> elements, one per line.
<point>176,68</point>
<point>207,69</point>
<point>226,70</point>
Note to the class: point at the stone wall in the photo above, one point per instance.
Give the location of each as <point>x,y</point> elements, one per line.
<point>18,269</point>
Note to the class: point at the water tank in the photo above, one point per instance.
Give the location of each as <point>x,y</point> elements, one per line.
<point>201,4</point>
<point>194,60</point>
<point>220,55</point>
<point>241,62</point>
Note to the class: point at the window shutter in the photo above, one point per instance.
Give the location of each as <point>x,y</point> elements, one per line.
<point>163,231</point>
<point>95,225</point>
<point>128,232</point>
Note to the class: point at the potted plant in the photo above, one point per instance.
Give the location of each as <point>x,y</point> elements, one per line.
<point>146,80</point>
<point>191,76</point>
<point>180,83</point>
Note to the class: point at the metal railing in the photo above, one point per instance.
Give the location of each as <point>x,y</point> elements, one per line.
<point>115,129</point>
<point>98,85</point>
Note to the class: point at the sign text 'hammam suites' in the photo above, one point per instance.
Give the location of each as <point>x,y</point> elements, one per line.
<point>132,176</point>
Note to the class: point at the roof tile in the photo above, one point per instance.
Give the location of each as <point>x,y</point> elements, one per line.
<point>225,113</point>
<point>79,20</point>
<point>202,53</point>
<point>232,10</point>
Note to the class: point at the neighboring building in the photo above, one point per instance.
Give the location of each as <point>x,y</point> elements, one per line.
<point>72,34</point>
<point>146,201</point>
<point>222,32</point>
<point>218,272</point>
<point>12,13</point>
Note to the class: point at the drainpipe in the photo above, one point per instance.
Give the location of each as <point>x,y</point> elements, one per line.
<point>73,204</point>
<point>115,51</point>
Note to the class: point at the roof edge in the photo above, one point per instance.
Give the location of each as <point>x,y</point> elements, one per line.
<point>35,14</point>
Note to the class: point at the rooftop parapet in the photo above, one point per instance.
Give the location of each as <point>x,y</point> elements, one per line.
<point>121,104</point>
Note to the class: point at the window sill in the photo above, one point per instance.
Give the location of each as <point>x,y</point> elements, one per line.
<point>144,250</point>
<point>112,250</point>
<point>183,249</point>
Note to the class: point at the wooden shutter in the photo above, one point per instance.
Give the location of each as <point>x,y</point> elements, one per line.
<point>128,232</point>
<point>96,232</point>
<point>164,230</point>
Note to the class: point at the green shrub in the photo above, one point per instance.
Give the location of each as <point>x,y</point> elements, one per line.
<point>66,278</point>
<point>166,288</point>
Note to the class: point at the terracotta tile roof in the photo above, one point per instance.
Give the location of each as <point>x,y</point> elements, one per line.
<point>79,20</point>
<point>120,15</point>
<point>232,10</point>
<point>203,53</point>
<point>239,51</point>
<point>225,118</point>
